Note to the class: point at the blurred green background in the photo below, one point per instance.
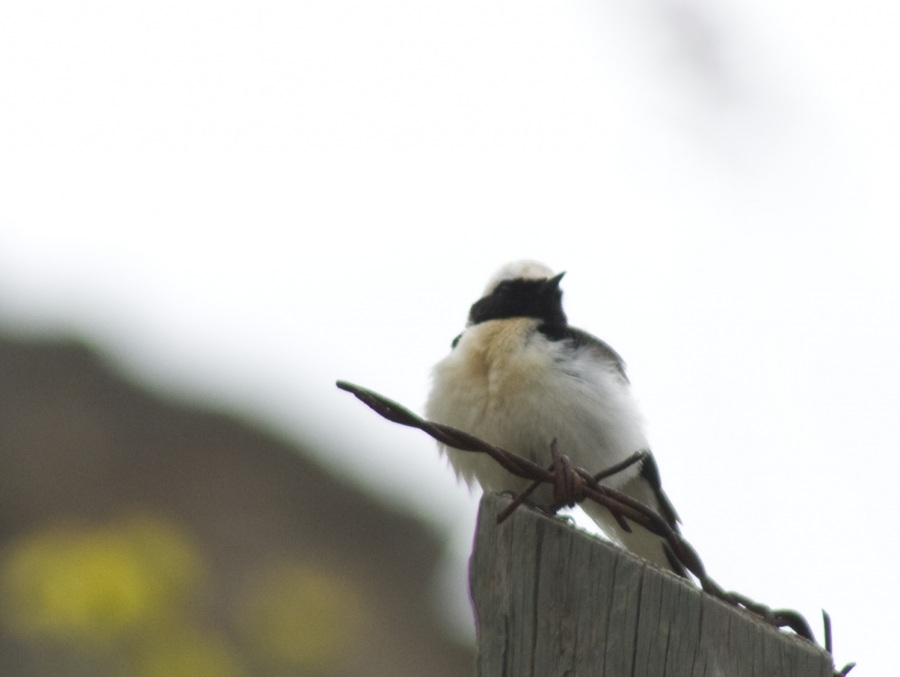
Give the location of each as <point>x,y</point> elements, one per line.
<point>143,537</point>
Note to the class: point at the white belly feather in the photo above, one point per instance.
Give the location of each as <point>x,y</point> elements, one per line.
<point>508,384</point>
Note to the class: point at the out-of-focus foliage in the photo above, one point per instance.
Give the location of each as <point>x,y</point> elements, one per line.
<point>145,537</point>
<point>186,652</point>
<point>95,585</point>
<point>130,594</point>
<point>314,640</point>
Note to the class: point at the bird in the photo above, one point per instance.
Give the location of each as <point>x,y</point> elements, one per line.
<point>520,376</point>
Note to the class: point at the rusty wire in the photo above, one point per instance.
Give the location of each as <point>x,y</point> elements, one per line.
<point>572,485</point>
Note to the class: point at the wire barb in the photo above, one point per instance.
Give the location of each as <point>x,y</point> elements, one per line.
<point>572,485</point>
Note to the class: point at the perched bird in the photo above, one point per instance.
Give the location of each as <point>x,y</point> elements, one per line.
<point>520,376</point>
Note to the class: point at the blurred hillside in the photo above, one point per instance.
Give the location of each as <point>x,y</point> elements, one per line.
<point>142,537</point>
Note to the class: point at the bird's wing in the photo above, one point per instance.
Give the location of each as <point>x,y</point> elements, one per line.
<point>582,339</point>
<point>650,473</point>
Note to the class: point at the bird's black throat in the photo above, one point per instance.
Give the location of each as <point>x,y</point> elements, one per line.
<point>540,299</point>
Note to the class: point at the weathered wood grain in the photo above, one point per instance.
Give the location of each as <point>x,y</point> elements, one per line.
<point>552,600</point>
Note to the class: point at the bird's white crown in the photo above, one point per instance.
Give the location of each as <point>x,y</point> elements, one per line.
<point>524,269</point>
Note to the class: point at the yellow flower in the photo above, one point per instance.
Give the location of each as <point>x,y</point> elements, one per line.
<point>304,616</point>
<point>95,584</point>
<point>186,653</point>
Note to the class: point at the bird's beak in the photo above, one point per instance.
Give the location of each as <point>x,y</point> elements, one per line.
<point>553,282</point>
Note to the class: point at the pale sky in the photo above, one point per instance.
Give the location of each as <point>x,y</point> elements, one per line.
<point>242,202</point>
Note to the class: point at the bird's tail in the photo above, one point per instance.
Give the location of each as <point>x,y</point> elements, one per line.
<point>640,541</point>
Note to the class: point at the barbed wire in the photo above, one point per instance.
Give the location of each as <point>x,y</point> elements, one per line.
<point>572,484</point>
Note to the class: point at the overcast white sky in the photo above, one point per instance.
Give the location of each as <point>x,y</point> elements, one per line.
<point>242,202</point>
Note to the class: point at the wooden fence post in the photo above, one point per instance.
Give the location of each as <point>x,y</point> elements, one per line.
<point>551,600</point>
